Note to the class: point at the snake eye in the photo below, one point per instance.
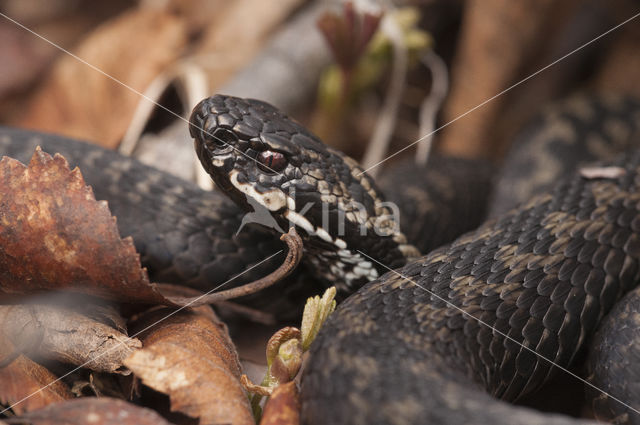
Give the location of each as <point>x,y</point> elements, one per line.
<point>222,137</point>
<point>270,161</point>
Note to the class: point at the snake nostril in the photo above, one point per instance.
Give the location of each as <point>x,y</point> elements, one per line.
<point>195,124</point>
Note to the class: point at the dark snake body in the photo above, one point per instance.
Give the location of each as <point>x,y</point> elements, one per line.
<point>492,310</point>
<point>411,346</point>
<point>613,361</point>
<point>544,275</point>
<point>567,134</point>
<point>440,200</point>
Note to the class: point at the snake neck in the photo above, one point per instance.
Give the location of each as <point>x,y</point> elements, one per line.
<point>356,240</point>
<point>283,176</point>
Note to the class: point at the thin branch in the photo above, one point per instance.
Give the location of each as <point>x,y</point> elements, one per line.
<point>432,104</point>
<point>294,243</point>
<point>384,129</point>
<point>252,314</point>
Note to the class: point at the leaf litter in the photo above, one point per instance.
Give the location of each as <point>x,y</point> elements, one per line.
<point>61,258</point>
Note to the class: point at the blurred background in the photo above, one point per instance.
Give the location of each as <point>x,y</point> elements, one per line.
<point>369,77</point>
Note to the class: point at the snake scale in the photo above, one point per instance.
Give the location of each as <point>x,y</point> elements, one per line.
<point>396,351</point>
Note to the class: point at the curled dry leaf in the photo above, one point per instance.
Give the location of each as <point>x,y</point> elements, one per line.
<point>60,334</point>
<point>132,48</point>
<point>284,355</point>
<point>27,384</point>
<point>283,408</point>
<point>91,410</point>
<point>191,358</point>
<point>254,389</point>
<point>54,235</point>
<point>107,314</point>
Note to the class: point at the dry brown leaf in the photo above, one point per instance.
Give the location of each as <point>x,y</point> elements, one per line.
<point>237,33</point>
<point>283,407</point>
<point>78,101</point>
<point>54,235</point>
<point>94,411</point>
<point>191,358</point>
<point>60,334</point>
<point>27,383</point>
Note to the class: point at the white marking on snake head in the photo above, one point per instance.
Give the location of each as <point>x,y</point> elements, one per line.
<point>273,200</point>
<point>219,160</point>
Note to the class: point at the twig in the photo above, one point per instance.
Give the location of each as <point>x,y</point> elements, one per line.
<point>431,105</point>
<point>384,129</point>
<point>252,314</point>
<point>180,295</point>
<point>294,243</point>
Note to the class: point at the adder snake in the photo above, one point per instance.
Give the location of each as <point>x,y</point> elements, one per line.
<point>497,308</point>
<point>416,345</point>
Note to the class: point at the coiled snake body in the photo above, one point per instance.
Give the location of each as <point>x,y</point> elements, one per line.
<point>492,310</point>
<point>416,345</point>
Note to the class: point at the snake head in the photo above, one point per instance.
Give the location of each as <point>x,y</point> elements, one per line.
<point>243,145</point>
<point>262,158</point>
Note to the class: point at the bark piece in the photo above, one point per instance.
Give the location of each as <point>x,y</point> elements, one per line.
<point>60,334</point>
